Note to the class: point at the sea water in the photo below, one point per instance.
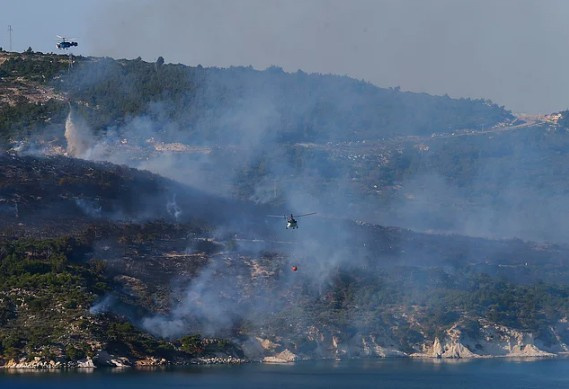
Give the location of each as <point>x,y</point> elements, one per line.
<point>377,373</point>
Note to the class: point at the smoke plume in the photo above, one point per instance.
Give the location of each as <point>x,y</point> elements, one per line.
<point>78,136</point>
<point>245,145</point>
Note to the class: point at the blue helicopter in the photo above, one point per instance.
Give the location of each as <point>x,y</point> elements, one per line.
<point>65,43</point>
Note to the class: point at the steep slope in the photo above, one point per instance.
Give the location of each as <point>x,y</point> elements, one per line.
<point>56,196</point>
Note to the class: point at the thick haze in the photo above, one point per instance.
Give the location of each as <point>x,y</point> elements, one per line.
<point>510,51</point>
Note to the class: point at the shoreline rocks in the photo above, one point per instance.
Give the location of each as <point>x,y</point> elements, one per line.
<point>285,356</point>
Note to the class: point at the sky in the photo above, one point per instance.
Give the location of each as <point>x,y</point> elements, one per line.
<point>513,52</point>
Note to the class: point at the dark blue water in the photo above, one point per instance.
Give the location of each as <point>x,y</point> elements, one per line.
<point>389,373</point>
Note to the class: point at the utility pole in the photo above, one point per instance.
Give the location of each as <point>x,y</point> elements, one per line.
<point>10,33</point>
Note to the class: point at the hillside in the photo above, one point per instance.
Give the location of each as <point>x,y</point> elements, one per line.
<point>201,102</point>
<point>353,148</point>
<point>356,283</point>
<point>56,196</point>
<point>134,199</point>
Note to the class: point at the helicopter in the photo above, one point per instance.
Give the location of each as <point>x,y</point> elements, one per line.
<point>65,43</point>
<point>291,222</point>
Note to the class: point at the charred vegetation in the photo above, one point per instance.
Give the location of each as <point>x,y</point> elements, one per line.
<point>100,256</point>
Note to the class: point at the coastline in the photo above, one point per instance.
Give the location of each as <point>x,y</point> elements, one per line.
<point>144,364</point>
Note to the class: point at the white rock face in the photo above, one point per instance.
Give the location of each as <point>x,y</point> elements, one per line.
<point>151,361</point>
<point>498,340</point>
<point>480,339</point>
<point>86,363</point>
<point>493,341</point>
<point>104,358</point>
<point>283,357</point>
<point>36,363</point>
<point>371,346</point>
<point>447,349</point>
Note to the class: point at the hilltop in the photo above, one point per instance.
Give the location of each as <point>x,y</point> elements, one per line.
<point>308,106</point>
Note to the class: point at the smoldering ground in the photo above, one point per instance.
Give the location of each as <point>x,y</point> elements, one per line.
<point>248,288</point>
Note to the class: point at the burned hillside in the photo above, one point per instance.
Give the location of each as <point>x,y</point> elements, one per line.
<point>54,196</point>
<point>146,267</point>
<point>174,278</point>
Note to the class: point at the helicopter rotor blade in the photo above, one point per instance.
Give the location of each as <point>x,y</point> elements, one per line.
<point>306,214</point>
<point>279,216</point>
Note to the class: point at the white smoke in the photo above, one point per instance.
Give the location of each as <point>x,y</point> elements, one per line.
<point>89,208</point>
<point>102,306</point>
<point>78,136</point>
<point>173,209</point>
<point>206,306</point>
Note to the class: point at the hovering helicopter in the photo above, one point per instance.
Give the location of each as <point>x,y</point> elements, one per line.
<point>65,43</point>
<point>291,222</point>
